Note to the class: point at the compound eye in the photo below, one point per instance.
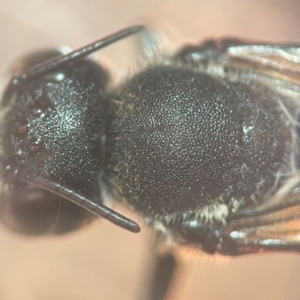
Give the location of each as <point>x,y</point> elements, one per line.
<point>29,210</point>
<point>29,60</point>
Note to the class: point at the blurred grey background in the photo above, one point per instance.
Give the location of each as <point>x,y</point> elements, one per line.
<point>103,261</point>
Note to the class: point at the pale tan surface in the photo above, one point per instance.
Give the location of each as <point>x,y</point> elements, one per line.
<point>103,261</point>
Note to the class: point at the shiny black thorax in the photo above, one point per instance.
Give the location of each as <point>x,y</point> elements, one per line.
<point>191,144</point>
<point>186,135</point>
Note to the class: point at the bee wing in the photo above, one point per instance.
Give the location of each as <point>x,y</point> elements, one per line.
<point>275,65</point>
<point>276,230</point>
<point>272,225</point>
<point>283,59</point>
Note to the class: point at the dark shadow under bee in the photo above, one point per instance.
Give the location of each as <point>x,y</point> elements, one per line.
<point>203,145</point>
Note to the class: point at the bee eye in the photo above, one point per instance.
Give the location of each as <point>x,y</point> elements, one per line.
<point>30,210</point>
<point>32,59</point>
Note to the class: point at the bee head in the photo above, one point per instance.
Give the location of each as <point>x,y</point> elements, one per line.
<point>52,126</point>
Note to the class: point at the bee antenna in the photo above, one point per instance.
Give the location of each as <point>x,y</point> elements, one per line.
<point>81,200</point>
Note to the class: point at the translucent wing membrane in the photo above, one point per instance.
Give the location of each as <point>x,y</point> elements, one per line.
<point>275,230</point>
<point>274,224</point>
<point>273,62</point>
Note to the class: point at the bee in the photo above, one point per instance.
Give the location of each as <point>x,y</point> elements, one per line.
<point>203,144</point>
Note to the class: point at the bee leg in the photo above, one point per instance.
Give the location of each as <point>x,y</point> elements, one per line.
<point>163,274</point>
<point>150,42</point>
